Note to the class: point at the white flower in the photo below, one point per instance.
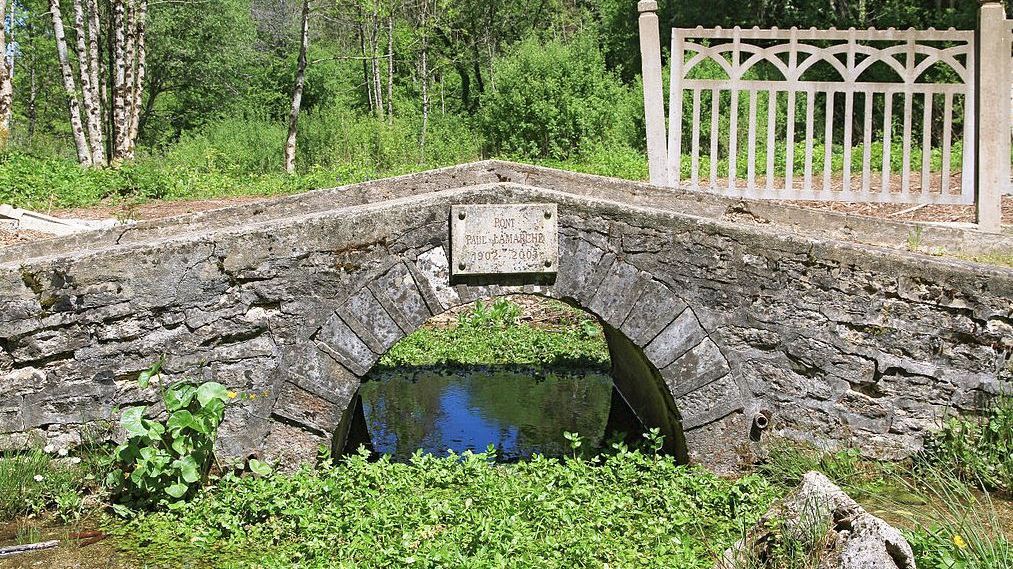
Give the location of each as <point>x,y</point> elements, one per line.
<point>62,452</point>
<point>75,460</point>
<point>39,478</point>
<point>48,449</point>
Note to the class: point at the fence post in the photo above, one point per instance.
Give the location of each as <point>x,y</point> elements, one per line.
<point>654,98</point>
<point>992,172</point>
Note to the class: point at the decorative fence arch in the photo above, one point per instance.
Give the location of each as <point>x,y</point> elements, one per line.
<point>745,108</point>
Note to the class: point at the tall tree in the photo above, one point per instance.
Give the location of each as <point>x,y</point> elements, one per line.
<point>300,81</point>
<point>6,78</point>
<point>84,155</point>
<point>129,54</point>
<point>89,86</point>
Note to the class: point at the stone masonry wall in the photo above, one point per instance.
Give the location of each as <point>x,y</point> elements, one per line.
<point>833,341</point>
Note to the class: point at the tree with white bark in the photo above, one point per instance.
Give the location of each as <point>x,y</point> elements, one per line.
<point>97,122</point>
<point>300,82</point>
<point>6,77</point>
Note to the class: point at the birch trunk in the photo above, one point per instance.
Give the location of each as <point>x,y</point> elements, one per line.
<point>89,97</point>
<point>94,60</point>
<point>375,57</point>
<point>365,64</point>
<point>80,141</point>
<point>119,94</point>
<point>6,80</point>
<point>134,114</point>
<point>300,80</point>
<point>33,95</point>
<point>390,68</point>
<point>129,24</point>
<point>424,72</point>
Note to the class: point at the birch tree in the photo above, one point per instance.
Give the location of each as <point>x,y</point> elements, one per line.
<point>300,81</point>
<point>129,54</point>
<point>84,155</point>
<point>424,14</point>
<point>390,67</point>
<point>6,79</point>
<point>89,87</point>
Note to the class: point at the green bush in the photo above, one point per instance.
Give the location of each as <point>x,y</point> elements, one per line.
<point>552,99</point>
<point>165,462</point>
<point>491,335</point>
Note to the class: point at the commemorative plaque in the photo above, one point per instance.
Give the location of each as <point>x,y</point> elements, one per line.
<point>504,239</point>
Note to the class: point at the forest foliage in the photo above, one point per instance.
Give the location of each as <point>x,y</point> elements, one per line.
<point>390,86</point>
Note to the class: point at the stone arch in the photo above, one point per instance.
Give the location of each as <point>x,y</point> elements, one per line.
<point>665,364</point>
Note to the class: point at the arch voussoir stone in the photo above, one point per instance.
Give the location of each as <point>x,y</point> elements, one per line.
<point>337,339</point>
<point>655,308</point>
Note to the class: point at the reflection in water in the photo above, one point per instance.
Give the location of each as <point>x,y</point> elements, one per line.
<point>517,411</point>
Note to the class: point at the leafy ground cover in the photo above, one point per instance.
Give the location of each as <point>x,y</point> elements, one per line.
<point>626,510</point>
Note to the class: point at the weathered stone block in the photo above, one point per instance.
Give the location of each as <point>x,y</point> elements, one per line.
<point>337,340</point>
<point>617,293</point>
<point>696,368</point>
<point>364,313</point>
<point>679,337</point>
<point>434,267</point>
<point>656,307</point>
<point>710,402</point>
<point>307,409</point>
<point>400,295</point>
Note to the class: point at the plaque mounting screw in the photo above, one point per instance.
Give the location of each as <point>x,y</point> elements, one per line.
<point>548,215</point>
<point>461,215</point>
<point>547,262</point>
<point>461,265</point>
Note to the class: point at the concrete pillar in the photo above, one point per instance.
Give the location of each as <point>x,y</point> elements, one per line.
<point>654,98</point>
<point>993,108</point>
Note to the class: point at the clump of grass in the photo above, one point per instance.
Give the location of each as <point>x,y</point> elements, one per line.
<point>32,481</point>
<point>963,529</point>
<point>788,461</point>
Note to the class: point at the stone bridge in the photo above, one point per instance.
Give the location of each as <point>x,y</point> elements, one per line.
<point>721,315</point>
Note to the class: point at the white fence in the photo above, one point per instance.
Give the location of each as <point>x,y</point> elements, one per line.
<point>757,113</point>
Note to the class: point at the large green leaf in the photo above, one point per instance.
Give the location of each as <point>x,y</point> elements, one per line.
<point>183,419</point>
<point>211,391</point>
<point>132,420</point>
<point>144,379</point>
<point>188,469</point>
<point>155,429</point>
<point>176,490</point>
<point>179,396</point>
<point>212,414</point>
<point>259,468</point>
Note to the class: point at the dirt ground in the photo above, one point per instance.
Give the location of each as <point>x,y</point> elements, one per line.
<point>163,209</point>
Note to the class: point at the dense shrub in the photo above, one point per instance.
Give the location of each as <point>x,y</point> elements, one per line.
<point>553,99</point>
<point>490,334</point>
